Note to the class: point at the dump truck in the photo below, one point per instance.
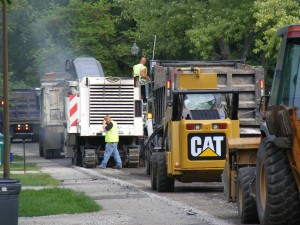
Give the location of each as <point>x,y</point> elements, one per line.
<point>24,114</point>
<point>231,74</point>
<point>92,97</point>
<point>52,92</point>
<point>263,174</point>
<point>192,119</point>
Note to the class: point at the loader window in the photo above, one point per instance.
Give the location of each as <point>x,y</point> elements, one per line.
<point>286,85</point>
<point>200,101</point>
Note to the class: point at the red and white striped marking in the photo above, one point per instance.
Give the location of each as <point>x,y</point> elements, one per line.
<point>73,110</point>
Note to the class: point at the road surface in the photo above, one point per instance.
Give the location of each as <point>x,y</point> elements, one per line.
<point>127,197</point>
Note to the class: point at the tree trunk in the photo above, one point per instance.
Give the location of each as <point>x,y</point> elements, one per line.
<point>247,45</point>
<point>225,50</point>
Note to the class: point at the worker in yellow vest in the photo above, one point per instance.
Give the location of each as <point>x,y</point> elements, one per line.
<point>140,70</point>
<point>111,139</point>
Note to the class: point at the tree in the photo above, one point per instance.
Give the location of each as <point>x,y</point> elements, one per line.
<point>92,29</point>
<point>224,29</point>
<point>168,20</point>
<point>28,38</point>
<point>43,34</point>
<point>7,1</point>
<point>89,28</point>
<point>272,15</point>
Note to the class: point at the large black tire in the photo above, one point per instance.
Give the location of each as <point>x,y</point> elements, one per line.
<point>35,138</point>
<point>246,204</point>
<point>153,170</point>
<point>147,155</point>
<point>77,159</point>
<point>57,154</point>
<point>48,154</point>
<point>73,159</point>
<point>163,182</point>
<point>147,166</point>
<point>277,196</point>
<point>41,150</point>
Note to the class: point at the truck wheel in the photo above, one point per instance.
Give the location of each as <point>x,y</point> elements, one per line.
<point>48,153</point>
<point>276,191</point>
<point>41,150</point>
<point>57,154</point>
<point>77,159</point>
<point>74,159</point>
<point>147,166</point>
<point>153,170</point>
<point>246,204</point>
<point>147,149</point>
<point>163,182</point>
<point>35,138</point>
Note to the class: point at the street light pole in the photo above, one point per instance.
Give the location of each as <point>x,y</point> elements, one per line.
<point>6,168</point>
<point>134,51</point>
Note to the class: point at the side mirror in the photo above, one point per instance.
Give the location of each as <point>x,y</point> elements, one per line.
<point>263,105</point>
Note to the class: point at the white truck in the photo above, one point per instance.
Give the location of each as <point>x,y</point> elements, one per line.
<point>90,99</point>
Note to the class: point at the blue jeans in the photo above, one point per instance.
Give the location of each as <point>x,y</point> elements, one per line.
<point>111,148</point>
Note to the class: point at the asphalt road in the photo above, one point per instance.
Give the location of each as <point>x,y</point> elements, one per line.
<point>193,203</point>
<point>206,197</point>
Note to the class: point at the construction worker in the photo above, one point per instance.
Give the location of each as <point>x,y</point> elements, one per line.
<point>111,139</point>
<point>140,70</point>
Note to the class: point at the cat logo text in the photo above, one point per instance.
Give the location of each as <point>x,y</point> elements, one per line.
<point>206,146</point>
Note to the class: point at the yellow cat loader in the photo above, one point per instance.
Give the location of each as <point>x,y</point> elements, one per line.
<point>263,175</point>
<point>192,120</point>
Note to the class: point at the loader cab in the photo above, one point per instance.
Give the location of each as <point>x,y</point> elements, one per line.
<point>202,106</point>
<point>200,101</point>
<point>286,82</point>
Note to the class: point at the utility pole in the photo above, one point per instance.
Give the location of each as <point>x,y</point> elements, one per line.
<point>6,168</point>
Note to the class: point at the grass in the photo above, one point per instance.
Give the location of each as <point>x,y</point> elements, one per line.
<point>54,201</point>
<point>35,179</point>
<point>47,201</point>
<point>17,158</point>
<point>20,166</point>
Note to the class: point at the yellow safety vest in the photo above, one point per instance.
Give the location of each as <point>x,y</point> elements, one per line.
<point>137,70</point>
<point>113,134</point>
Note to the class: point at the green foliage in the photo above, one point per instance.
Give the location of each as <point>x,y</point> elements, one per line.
<point>18,158</point>
<point>43,34</point>
<point>223,29</point>
<point>169,21</point>
<point>20,166</point>
<point>27,37</point>
<point>272,15</point>
<point>54,201</point>
<point>6,1</point>
<point>79,28</point>
<point>93,32</point>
